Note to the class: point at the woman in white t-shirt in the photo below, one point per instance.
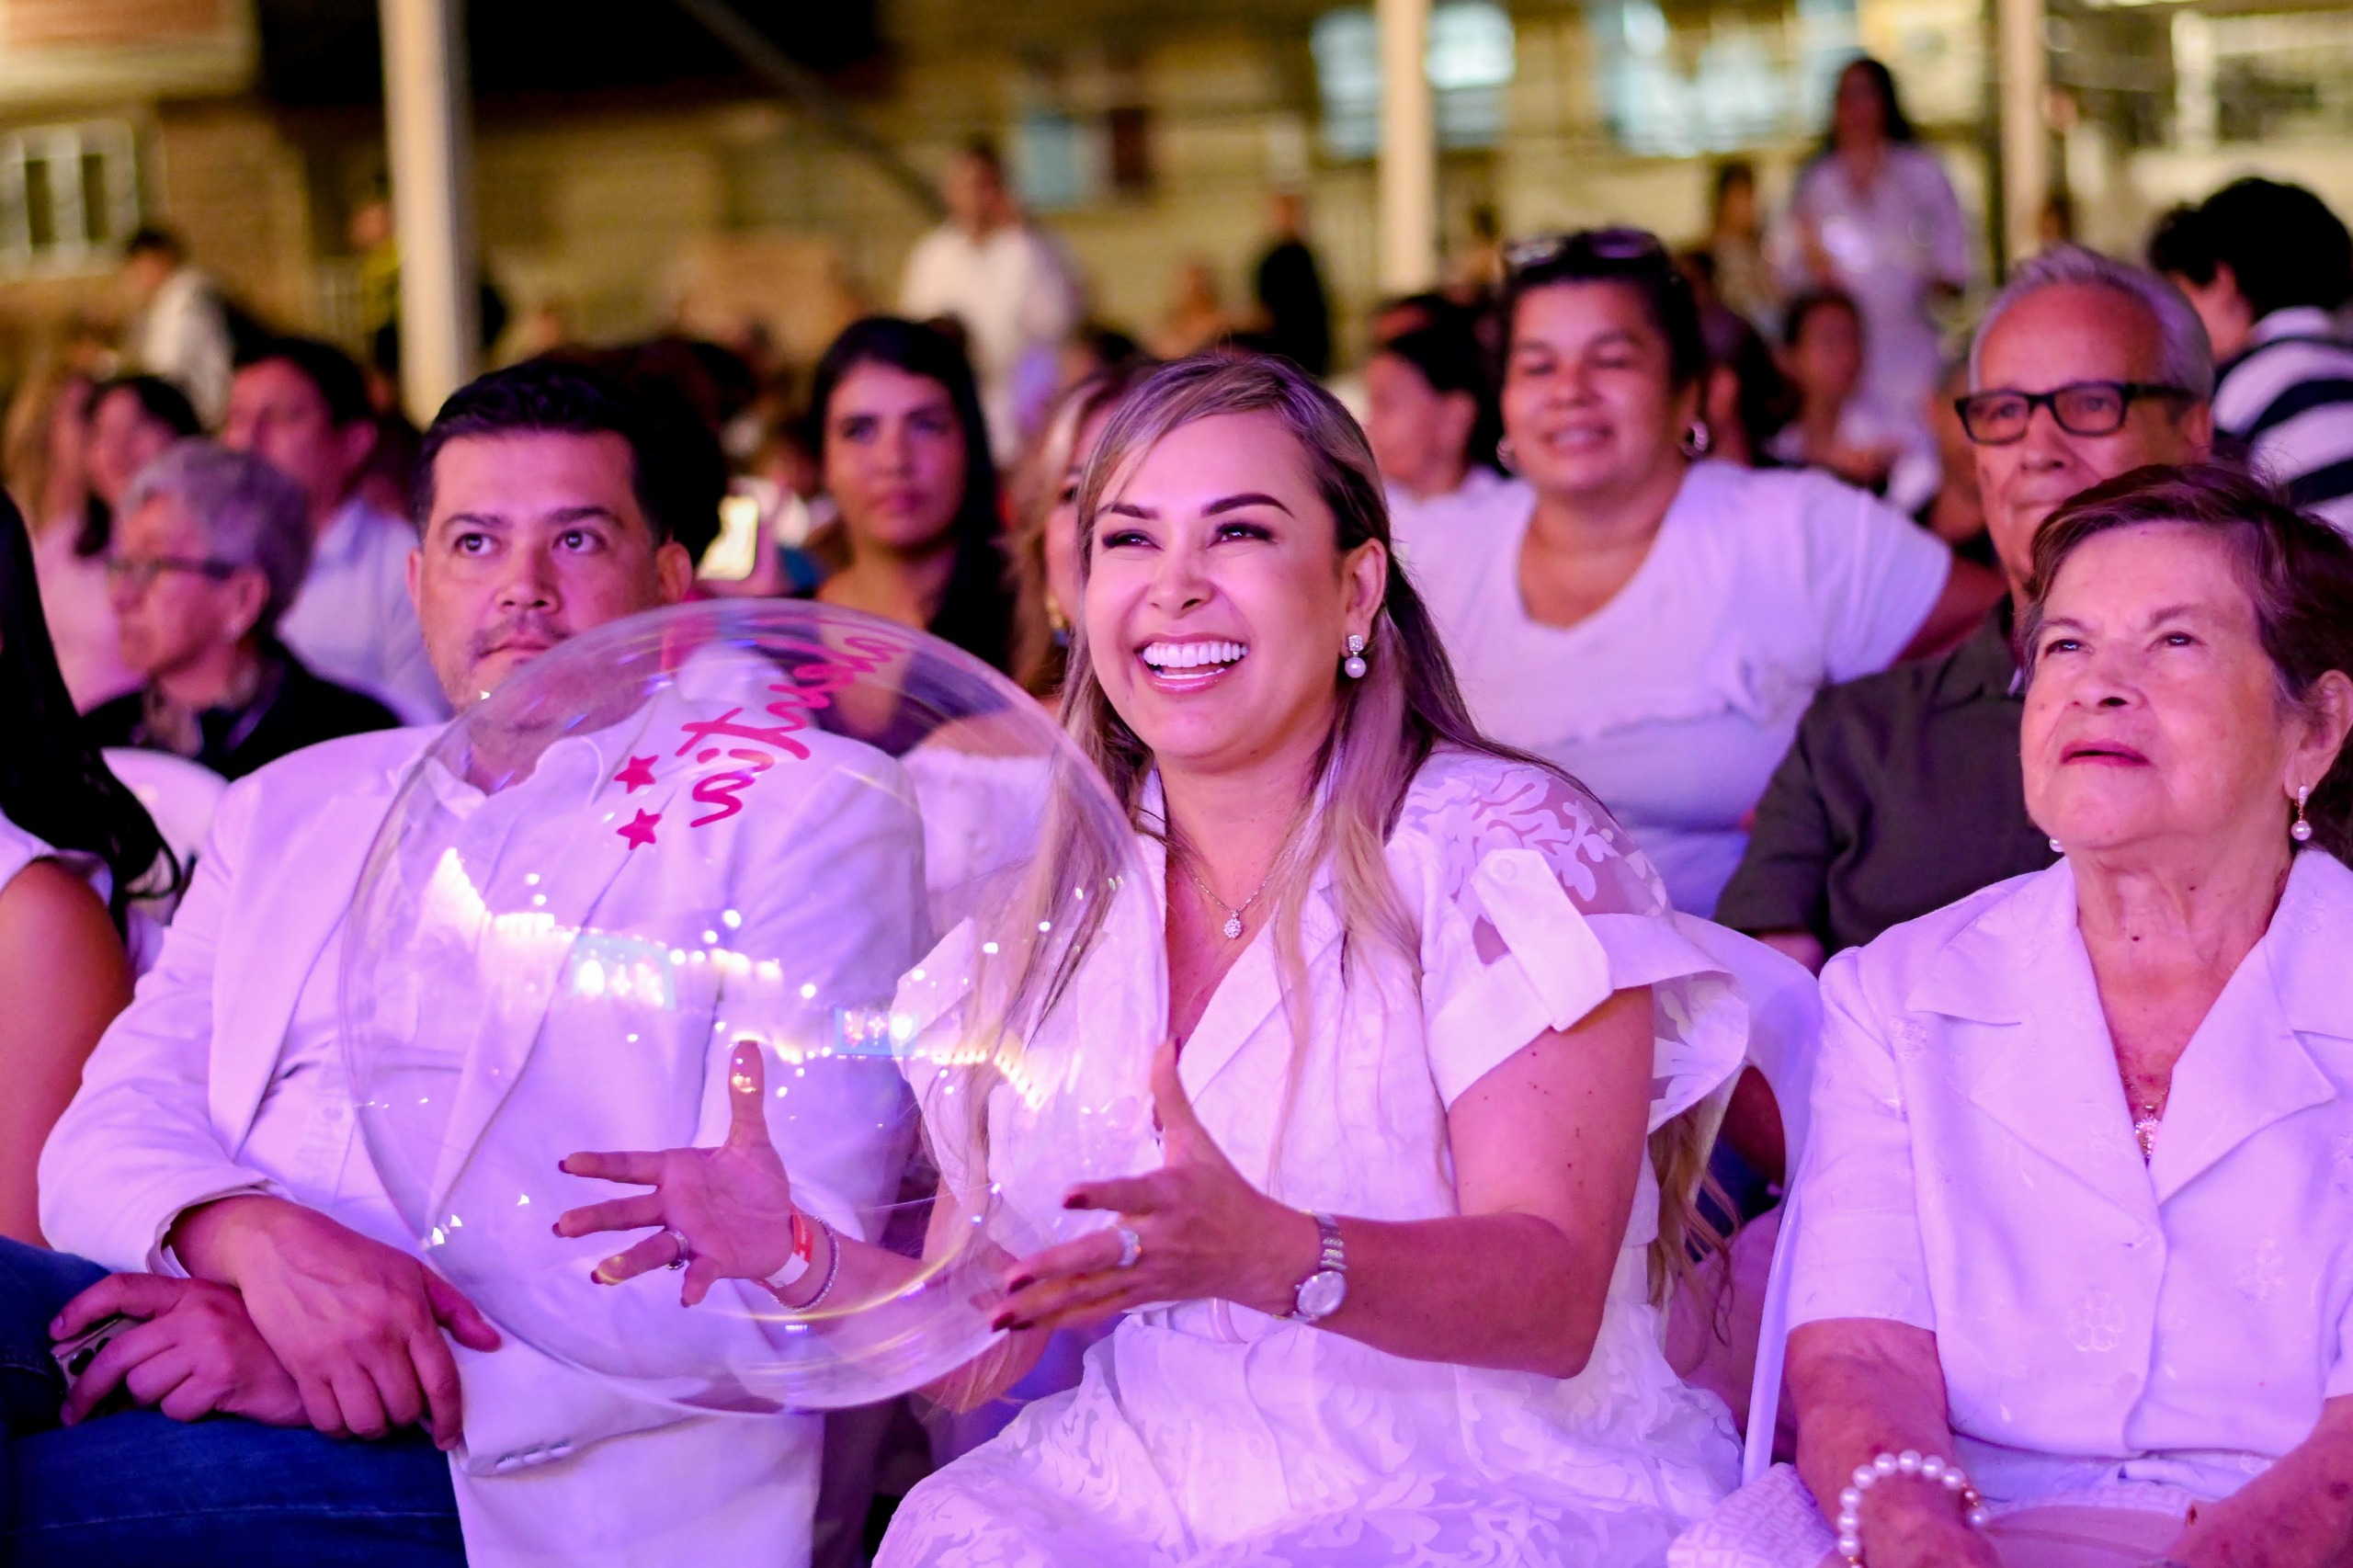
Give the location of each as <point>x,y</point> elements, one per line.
<point>1650,622</point>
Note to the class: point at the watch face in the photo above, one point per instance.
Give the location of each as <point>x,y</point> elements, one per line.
<point>1321,1296</point>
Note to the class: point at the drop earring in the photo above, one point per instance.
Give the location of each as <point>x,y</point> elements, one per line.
<point>1508,455</point>
<point>1353,666</point>
<point>2301,830</point>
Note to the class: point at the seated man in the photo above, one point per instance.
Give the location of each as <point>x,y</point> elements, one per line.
<point>2267,267</point>
<point>301,406</point>
<point>1902,792</point>
<point>209,552</point>
<point>214,1155</point>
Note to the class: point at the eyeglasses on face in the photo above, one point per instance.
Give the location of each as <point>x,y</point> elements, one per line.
<point>138,573</point>
<point>1998,417</point>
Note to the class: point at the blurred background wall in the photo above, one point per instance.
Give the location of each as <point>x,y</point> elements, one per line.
<point>634,174</point>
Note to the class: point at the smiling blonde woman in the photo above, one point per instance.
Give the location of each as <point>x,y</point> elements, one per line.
<point>1387,1286</point>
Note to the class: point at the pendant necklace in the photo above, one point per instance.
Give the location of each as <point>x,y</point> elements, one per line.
<point>1232,927</point>
<point>2146,1128</point>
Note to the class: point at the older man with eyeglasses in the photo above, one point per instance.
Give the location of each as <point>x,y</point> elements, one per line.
<point>1902,792</point>
<point>210,548</point>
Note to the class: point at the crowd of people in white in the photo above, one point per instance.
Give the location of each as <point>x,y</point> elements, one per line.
<point>1548,754</point>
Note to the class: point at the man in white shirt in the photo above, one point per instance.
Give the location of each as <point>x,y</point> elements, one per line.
<point>213,1155</point>
<point>1005,282</point>
<point>181,332</point>
<point>302,405</point>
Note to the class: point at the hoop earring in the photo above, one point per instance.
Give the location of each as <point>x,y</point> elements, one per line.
<point>2301,830</point>
<point>1505,455</point>
<point>1697,440</point>
<point>1354,667</point>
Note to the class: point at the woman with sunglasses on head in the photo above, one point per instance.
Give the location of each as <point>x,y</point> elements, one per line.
<point>1426,1143</point>
<point>1651,623</point>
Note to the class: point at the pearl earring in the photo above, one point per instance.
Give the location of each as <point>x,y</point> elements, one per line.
<point>1354,665</point>
<point>2057,848</point>
<point>2300,830</point>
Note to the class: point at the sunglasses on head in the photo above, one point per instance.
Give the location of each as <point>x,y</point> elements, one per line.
<point>1596,245</point>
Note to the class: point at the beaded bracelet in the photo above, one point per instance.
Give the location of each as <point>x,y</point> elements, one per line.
<point>1944,1472</point>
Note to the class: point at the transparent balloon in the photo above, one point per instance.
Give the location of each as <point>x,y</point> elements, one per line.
<point>777,823</point>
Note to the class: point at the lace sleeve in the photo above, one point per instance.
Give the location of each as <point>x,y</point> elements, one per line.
<point>1536,907</point>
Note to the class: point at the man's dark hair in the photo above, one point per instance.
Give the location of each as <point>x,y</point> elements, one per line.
<point>676,470</point>
<point>151,241</point>
<point>2280,241</point>
<point>337,375</point>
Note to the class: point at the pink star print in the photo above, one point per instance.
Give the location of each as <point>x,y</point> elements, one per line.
<point>639,830</point>
<point>636,775</point>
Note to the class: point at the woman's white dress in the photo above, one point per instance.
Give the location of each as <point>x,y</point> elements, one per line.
<point>1205,1432</point>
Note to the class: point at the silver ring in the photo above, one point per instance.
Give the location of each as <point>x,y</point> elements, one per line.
<point>679,1239</point>
<point>1131,1246</point>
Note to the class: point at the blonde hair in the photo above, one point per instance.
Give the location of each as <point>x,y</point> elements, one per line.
<point>1038,655</point>
<point>1406,706</point>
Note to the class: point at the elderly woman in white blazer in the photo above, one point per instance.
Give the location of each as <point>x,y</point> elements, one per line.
<point>2076,1222</point>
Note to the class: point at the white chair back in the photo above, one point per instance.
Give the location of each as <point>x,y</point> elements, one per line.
<point>180,794</point>
<point>1784,1037</point>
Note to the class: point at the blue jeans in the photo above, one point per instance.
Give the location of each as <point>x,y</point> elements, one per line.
<point>140,1488</point>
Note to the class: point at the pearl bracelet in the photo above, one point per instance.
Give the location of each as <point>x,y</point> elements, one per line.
<point>1944,1472</point>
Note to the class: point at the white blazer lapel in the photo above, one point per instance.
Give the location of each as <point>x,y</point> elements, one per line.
<point>2246,1068</point>
<point>2040,1064</point>
<point>293,901</point>
<point>526,970</point>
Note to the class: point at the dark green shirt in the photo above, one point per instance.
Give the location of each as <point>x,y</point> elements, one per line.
<point>1901,794</point>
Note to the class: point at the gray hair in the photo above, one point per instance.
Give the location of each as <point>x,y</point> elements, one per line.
<point>251,514</point>
<point>2185,358</point>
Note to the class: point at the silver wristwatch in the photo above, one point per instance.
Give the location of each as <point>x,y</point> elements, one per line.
<point>1321,1294</point>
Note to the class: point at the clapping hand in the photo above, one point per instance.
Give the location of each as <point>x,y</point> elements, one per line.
<point>731,1204</point>
<point>1192,1230</point>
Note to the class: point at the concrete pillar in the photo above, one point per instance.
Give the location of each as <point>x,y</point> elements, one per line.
<point>2196,112</point>
<point>428,129</point>
<point>1408,217</point>
<point>2023,72</point>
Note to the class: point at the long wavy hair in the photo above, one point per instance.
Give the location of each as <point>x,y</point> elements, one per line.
<point>1406,706</point>
<point>53,783</point>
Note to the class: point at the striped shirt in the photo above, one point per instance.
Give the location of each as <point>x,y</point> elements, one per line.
<point>2289,398</point>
